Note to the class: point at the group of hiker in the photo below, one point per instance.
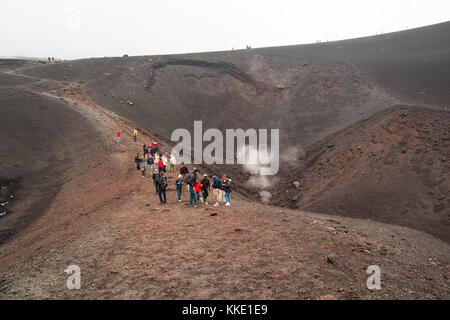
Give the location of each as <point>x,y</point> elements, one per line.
<point>199,188</point>
<point>157,162</point>
<point>154,158</point>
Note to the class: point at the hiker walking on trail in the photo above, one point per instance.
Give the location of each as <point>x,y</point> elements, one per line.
<point>183,170</point>
<point>173,162</point>
<point>179,184</point>
<point>118,135</point>
<point>206,186</point>
<point>150,163</point>
<point>143,166</point>
<point>156,180</point>
<point>198,188</point>
<point>135,134</point>
<point>152,150</point>
<point>160,166</point>
<point>165,161</point>
<point>192,184</point>
<point>163,182</point>
<point>137,160</point>
<point>144,147</point>
<point>227,189</point>
<point>217,188</point>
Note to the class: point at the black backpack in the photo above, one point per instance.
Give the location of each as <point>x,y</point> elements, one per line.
<point>163,182</point>
<point>193,180</point>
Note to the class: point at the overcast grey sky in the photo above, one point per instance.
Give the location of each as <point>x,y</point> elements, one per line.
<point>70,29</point>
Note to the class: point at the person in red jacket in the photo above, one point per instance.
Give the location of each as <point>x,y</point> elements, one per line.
<point>118,135</point>
<point>198,188</point>
<point>160,165</point>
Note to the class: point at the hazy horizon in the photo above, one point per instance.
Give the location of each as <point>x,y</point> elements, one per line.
<point>83,29</point>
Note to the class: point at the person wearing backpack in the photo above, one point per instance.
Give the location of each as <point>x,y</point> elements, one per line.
<point>156,180</point>
<point>206,186</point>
<point>227,188</point>
<point>217,187</point>
<point>137,160</point>
<point>179,183</point>
<point>163,182</point>
<point>198,188</point>
<point>173,162</point>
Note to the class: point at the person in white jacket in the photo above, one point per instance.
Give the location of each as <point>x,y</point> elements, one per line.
<point>165,161</point>
<point>173,163</point>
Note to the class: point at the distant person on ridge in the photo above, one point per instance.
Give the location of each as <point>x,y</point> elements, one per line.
<point>135,133</point>
<point>163,181</point>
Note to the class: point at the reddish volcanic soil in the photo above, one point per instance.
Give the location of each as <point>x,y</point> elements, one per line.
<point>392,168</point>
<point>363,181</point>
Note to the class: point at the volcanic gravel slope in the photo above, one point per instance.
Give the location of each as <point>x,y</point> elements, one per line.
<point>310,92</point>
<point>40,139</point>
<point>129,246</point>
